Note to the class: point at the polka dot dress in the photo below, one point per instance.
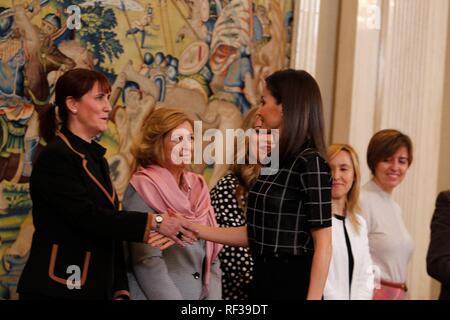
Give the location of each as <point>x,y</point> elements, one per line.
<point>236,262</point>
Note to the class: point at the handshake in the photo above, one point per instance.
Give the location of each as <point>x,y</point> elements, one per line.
<point>171,228</point>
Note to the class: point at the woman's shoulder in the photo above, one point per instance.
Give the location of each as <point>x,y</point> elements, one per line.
<point>133,201</point>
<point>443,198</point>
<point>229,181</point>
<point>310,160</point>
<point>367,203</point>
<point>369,193</point>
<point>54,154</point>
<point>225,187</point>
<point>361,221</point>
<point>310,154</point>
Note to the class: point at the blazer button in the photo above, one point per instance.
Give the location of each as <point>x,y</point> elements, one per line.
<point>196,275</point>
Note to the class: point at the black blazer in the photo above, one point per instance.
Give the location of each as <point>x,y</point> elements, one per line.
<point>78,228</point>
<point>438,257</point>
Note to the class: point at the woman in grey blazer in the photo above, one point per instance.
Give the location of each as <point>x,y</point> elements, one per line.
<point>162,183</point>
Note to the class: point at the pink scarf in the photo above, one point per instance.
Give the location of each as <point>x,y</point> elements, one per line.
<point>159,189</point>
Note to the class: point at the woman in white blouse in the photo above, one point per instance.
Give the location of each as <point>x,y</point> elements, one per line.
<point>350,276</point>
<point>389,156</point>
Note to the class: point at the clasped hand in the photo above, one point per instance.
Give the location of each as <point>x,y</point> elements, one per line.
<point>174,229</point>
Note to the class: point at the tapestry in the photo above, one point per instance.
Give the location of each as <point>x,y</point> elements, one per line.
<point>205,57</point>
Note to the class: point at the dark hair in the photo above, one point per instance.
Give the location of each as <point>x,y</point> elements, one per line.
<point>74,83</point>
<point>301,100</point>
<point>384,144</point>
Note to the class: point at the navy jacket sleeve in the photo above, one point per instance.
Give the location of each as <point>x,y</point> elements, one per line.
<point>60,193</point>
<point>120,271</point>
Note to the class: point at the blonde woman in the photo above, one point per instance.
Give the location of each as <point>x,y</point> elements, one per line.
<point>228,198</point>
<point>162,182</point>
<point>350,276</point>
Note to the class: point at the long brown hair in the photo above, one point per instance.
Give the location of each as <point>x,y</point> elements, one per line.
<point>301,101</point>
<point>74,83</point>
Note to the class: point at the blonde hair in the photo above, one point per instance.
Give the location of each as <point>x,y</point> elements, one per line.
<point>245,173</point>
<point>148,147</point>
<point>352,201</point>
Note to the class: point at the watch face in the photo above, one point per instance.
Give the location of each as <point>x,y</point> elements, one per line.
<point>158,219</point>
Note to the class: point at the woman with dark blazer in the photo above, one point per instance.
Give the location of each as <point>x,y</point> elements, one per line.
<point>77,251</point>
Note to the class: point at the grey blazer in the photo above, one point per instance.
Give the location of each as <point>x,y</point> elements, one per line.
<point>438,257</point>
<point>173,274</point>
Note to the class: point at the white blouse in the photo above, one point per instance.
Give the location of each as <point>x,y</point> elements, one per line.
<point>391,245</point>
<point>338,282</point>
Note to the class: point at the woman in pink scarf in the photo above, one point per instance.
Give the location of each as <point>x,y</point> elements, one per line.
<point>162,183</point>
